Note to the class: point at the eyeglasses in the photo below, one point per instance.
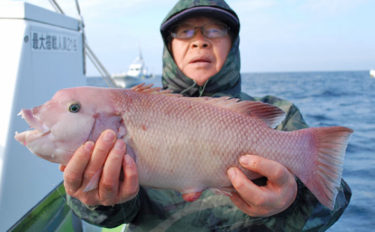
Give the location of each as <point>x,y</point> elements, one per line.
<point>209,31</point>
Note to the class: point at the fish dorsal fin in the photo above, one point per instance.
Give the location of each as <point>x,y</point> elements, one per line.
<point>270,114</point>
<point>143,88</point>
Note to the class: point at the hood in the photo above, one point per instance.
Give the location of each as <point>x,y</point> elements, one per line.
<point>228,80</point>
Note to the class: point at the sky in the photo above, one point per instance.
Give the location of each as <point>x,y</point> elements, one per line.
<point>276,35</point>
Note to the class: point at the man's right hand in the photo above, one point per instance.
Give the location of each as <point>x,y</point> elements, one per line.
<point>109,155</point>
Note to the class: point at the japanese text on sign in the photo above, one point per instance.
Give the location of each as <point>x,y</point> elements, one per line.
<point>45,41</point>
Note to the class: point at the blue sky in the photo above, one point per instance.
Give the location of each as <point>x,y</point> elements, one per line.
<point>276,35</point>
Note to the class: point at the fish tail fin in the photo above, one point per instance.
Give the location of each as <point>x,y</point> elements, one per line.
<point>326,170</point>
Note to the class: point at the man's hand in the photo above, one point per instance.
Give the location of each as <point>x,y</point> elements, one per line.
<point>277,195</point>
<point>108,156</point>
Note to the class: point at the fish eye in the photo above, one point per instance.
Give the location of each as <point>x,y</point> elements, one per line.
<point>74,108</point>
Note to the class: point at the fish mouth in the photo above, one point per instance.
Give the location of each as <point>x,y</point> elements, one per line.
<point>38,130</point>
<point>33,121</point>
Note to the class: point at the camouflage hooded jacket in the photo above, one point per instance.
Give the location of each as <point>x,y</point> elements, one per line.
<point>165,210</point>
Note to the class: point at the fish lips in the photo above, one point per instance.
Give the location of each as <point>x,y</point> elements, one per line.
<point>39,128</point>
<point>33,121</point>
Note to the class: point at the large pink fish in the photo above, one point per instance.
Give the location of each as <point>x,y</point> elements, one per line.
<point>184,143</point>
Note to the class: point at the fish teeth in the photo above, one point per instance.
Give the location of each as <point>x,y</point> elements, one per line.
<point>45,129</point>
<point>20,114</point>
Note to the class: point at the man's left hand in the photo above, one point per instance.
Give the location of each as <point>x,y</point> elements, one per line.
<point>276,196</point>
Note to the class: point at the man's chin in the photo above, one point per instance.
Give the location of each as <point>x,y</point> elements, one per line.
<point>200,76</point>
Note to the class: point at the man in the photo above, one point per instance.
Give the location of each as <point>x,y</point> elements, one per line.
<point>201,58</point>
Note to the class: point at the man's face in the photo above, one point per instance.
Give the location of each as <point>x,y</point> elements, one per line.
<point>200,57</point>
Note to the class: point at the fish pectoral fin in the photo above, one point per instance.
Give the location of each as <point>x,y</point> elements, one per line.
<point>93,183</point>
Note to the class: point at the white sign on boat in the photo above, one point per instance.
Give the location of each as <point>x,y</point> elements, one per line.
<point>41,52</point>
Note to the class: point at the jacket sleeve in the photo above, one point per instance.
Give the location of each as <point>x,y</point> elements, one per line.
<point>315,216</point>
<point>106,216</point>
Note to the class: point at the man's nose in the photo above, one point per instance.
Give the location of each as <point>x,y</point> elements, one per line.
<point>200,41</point>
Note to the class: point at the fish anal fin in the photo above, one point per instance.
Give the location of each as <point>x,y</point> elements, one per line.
<point>226,191</point>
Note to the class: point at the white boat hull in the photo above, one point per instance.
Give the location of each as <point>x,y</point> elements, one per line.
<point>41,52</point>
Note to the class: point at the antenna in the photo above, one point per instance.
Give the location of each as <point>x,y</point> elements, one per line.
<point>88,51</point>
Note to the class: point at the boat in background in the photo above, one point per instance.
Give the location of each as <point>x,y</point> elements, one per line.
<point>124,81</point>
<point>372,73</point>
<point>136,72</point>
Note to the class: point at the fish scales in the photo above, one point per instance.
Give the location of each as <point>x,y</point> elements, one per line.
<point>185,144</point>
<point>199,140</point>
<point>183,139</point>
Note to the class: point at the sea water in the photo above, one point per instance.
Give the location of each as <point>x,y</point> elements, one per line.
<point>330,99</point>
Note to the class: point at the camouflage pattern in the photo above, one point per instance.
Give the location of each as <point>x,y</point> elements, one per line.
<point>165,210</point>
<point>176,81</point>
